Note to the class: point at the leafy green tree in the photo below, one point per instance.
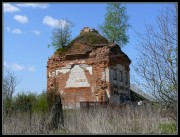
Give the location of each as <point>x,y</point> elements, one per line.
<point>115,24</point>
<point>25,101</point>
<point>61,34</point>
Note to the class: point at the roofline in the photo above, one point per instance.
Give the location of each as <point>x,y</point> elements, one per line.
<point>138,91</point>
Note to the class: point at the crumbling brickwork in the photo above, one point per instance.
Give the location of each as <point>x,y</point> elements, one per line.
<point>85,72</point>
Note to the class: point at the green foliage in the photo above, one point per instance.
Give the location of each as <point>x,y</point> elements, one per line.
<point>51,96</point>
<point>25,101</point>
<point>41,105</point>
<point>61,50</point>
<point>89,38</point>
<point>61,131</point>
<point>61,34</point>
<point>7,106</point>
<point>168,128</point>
<point>115,25</point>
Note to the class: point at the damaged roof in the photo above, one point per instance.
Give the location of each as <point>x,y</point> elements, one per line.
<point>138,91</point>
<point>85,42</point>
<point>90,39</point>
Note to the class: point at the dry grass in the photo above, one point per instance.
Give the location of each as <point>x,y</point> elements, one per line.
<point>20,123</point>
<point>130,120</point>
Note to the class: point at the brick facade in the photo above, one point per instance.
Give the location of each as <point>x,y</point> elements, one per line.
<point>95,73</point>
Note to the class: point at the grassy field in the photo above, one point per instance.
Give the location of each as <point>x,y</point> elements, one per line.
<point>129,120</point>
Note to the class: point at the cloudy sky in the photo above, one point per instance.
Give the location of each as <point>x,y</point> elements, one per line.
<point>27,31</point>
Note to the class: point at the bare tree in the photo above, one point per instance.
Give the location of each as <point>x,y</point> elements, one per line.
<point>10,82</point>
<point>157,62</point>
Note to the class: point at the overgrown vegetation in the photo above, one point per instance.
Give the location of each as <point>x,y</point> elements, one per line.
<point>41,105</point>
<point>89,38</point>
<point>61,50</point>
<point>29,113</point>
<point>51,95</point>
<point>101,120</point>
<point>61,34</point>
<point>42,114</point>
<point>168,128</point>
<point>10,82</point>
<point>28,101</point>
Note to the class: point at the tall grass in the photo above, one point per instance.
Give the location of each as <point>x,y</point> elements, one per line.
<point>21,123</point>
<point>101,120</point>
<point>129,120</point>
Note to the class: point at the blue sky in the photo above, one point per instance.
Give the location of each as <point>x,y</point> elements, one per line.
<point>27,30</point>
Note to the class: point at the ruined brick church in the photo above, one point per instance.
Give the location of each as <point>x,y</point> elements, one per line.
<point>90,69</point>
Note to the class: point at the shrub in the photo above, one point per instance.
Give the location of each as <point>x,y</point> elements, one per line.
<point>41,105</point>
<point>168,128</point>
<point>61,50</point>
<point>25,101</point>
<point>31,102</point>
<point>51,95</point>
<point>89,38</point>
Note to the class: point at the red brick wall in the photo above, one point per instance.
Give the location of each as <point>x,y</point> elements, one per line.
<point>98,89</point>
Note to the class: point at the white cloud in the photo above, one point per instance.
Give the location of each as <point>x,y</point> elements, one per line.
<point>9,8</point>
<point>33,5</point>
<point>8,29</point>
<point>54,22</point>
<point>21,19</point>
<point>36,32</point>
<point>30,68</point>
<point>17,31</point>
<point>17,67</point>
<point>50,21</point>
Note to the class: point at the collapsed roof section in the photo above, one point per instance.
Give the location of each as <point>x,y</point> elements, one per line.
<point>86,42</point>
